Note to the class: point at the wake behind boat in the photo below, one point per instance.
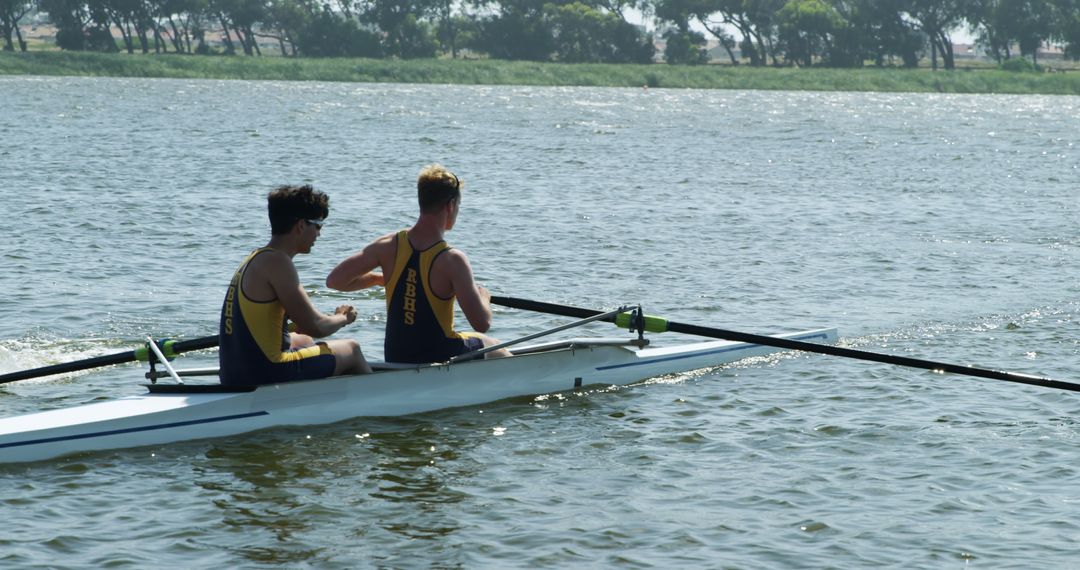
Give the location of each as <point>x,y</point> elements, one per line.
<point>171,413</point>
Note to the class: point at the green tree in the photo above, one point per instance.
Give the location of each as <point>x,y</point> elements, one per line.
<point>70,18</point>
<point>79,26</point>
<point>685,47</point>
<point>406,34</point>
<point>756,21</point>
<point>807,28</point>
<point>448,27</point>
<point>1067,26</point>
<point>284,21</point>
<point>176,21</point>
<point>585,34</point>
<point>876,30</point>
<point>681,44</point>
<point>239,18</point>
<point>712,15</point>
<point>984,21</point>
<point>937,19</point>
<point>1028,22</point>
<point>517,30</point>
<point>131,17</point>
<point>329,34</point>
<point>11,11</point>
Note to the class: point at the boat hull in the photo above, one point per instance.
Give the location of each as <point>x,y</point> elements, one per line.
<point>161,418</point>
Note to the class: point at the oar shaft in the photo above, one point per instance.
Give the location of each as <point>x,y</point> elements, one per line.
<point>106,360</point>
<point>791,344</point>
<point>872,356</point>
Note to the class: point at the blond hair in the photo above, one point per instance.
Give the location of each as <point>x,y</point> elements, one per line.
<point>436,186</point>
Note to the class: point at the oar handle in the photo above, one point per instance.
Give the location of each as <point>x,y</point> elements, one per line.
<point>175,347</point>
<point>624,318</point>
<point>550,308</point>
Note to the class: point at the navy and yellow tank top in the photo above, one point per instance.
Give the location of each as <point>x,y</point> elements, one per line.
<point>419,323</point>
<point>254,340</point>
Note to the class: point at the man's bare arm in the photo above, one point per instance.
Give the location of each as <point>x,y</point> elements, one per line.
<point>356,272</point>
<point>473,299</point>
<point>309,320</point>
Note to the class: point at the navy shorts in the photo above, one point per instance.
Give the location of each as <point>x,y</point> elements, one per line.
<point>308,363</point>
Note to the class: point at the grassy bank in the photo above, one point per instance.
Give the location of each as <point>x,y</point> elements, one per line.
<point>492,72</point>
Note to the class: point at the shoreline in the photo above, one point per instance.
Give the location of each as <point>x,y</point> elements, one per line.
<point>499,72</point>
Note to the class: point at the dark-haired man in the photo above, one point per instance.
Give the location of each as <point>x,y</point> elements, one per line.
<point>256,346</point>
<point>425,277</point>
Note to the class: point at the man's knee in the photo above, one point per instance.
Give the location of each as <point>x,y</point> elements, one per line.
<point>349,357</point>
<point>348,349</point>
<point>500,353</point>
<point>297,340</point>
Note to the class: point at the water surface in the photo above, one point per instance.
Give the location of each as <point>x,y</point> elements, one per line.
<point>935,226</point>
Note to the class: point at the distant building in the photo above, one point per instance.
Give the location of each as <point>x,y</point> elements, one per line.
<point>975,52</point>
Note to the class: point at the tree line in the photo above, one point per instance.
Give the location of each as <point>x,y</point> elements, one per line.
<point>836,33</point>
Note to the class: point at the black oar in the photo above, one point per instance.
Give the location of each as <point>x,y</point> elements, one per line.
<point>170,348</point>
<point>656,324</point>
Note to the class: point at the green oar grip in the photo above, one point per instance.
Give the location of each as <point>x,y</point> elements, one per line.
<point>652,324</point>
<point>142,354</point>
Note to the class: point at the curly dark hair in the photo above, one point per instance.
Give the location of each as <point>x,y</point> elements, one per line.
<point>290,204</point>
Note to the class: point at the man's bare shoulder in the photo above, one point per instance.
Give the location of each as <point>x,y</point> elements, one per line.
<point>267,273</point>
<point>272,258</point>
<point>383,248</point>
<point>385,240</point>
<point>272,263</point>
<point>453,260</point>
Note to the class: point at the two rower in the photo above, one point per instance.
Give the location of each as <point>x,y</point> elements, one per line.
<point>426,276</point>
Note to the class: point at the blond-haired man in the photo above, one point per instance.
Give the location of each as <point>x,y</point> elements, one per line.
<point>423,277</point>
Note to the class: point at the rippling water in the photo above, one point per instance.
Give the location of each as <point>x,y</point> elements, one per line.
<point>936,226</point>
